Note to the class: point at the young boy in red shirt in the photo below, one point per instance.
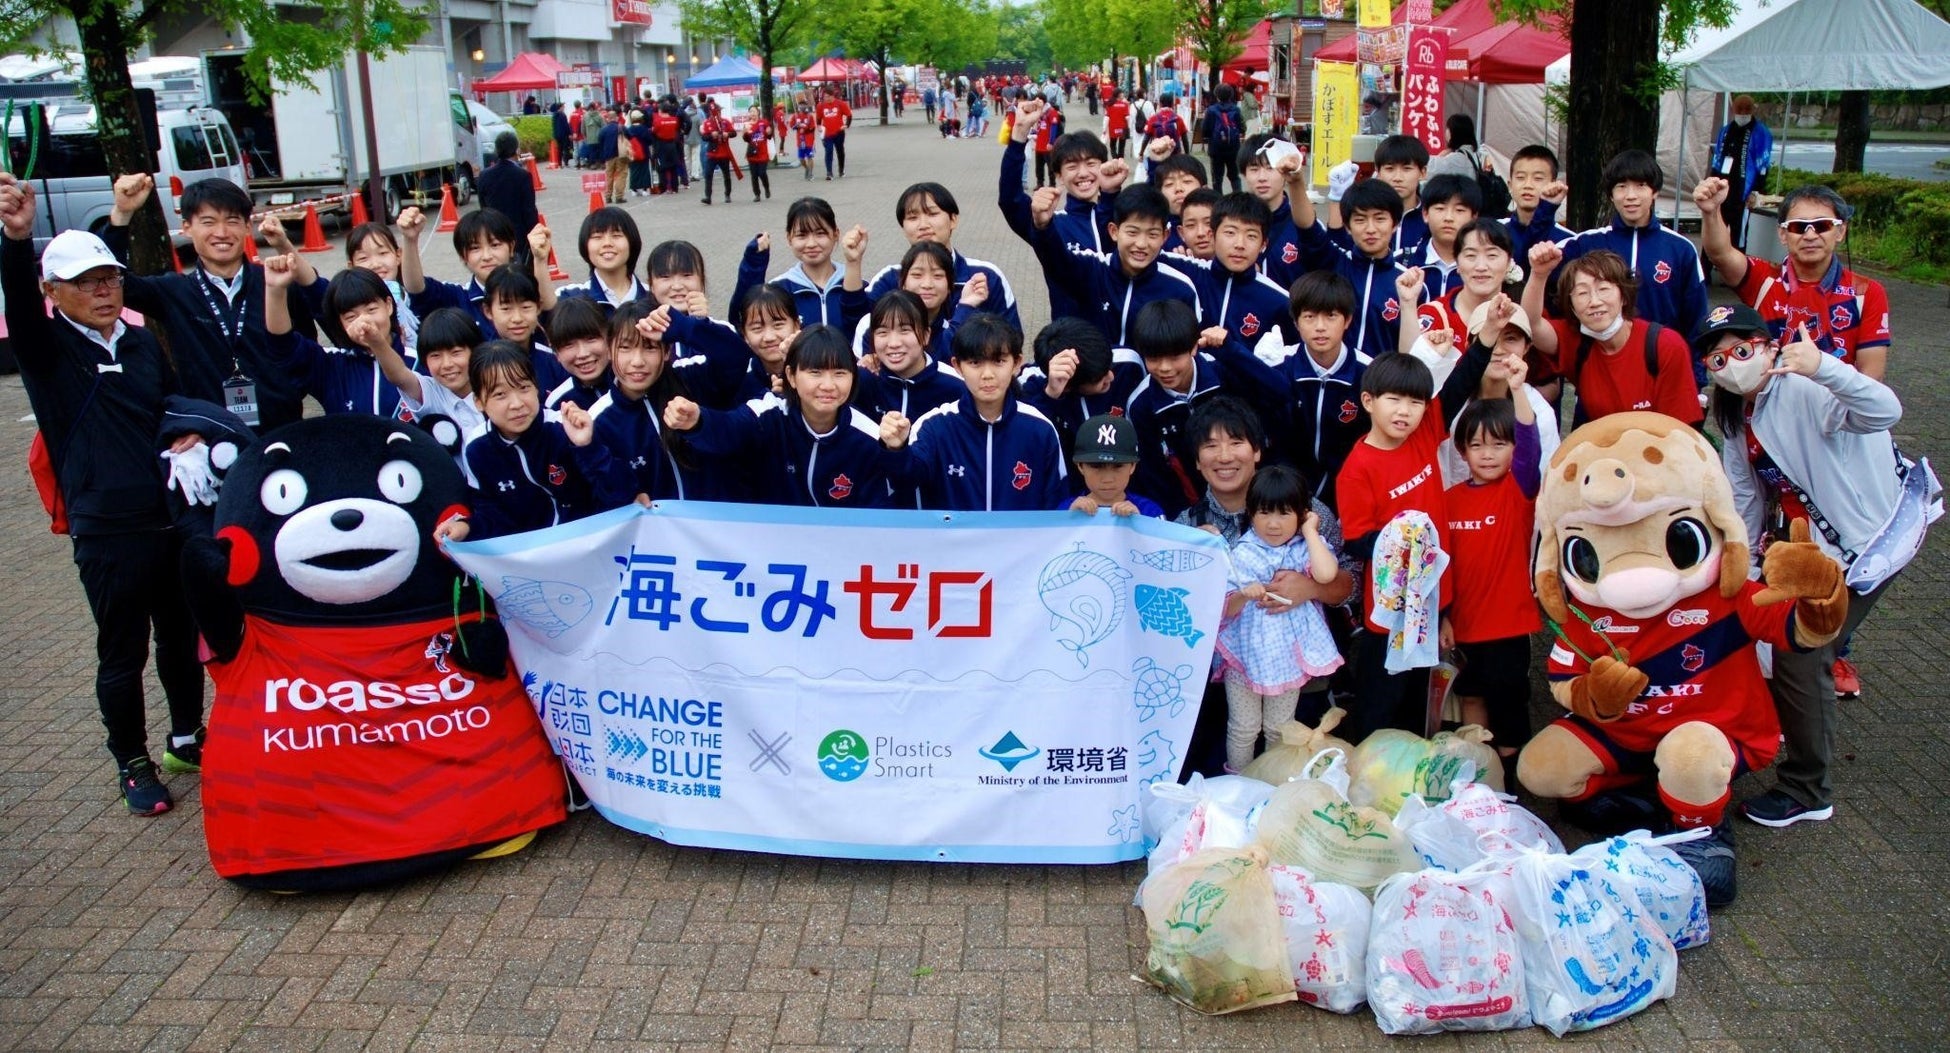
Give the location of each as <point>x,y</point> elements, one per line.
<point>758,156</point>
<point>1396,469</point>
<point>803,124</point>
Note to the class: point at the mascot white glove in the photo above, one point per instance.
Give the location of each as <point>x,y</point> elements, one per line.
<point>1339,178</point>
<point>190,474</point>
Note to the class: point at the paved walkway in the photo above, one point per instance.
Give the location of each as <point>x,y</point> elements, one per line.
<point>114,933</point>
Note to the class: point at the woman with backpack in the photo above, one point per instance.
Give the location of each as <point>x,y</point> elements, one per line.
<point>1224,125</point>
<point>1464,157</point>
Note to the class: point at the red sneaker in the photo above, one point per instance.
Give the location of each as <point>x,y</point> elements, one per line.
<point>1848,683</point>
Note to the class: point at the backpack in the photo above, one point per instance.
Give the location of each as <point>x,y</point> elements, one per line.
<point>1162,125</point>
<point>40,465</point>
<point>1225,129</point>
<point>1496,192</point>
<point>664,126</point>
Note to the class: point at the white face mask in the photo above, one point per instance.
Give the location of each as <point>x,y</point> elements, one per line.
<point>1742,119</point>
<point>1607,332</point>
<point>1743,378</point>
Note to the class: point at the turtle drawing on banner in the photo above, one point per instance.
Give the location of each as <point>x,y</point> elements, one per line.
<point>1158,688</point>
<point>1163,611</point>
<point>1172,561</point>
<point>1084,591</point>
<point>548,607</point>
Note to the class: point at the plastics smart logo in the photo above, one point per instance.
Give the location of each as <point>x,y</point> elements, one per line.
<point>843,755</point>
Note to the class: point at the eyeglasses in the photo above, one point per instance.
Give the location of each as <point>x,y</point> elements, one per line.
<point>1798,227</point>
<point>1740,352</point>
<point>91,286</point>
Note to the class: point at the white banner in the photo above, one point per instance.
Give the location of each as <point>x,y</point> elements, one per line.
<point>878,685</point>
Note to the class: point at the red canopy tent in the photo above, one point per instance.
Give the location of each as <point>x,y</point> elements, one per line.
<point>1510,53</point>
<point>1254,55</point>
<point>827,71</point>
<point>530,71</point>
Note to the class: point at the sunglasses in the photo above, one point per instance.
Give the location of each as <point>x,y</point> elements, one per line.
<point>1740,352</point>
<point>1798,227</point>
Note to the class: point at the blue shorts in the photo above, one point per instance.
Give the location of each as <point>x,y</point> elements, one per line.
<point>806,153</point>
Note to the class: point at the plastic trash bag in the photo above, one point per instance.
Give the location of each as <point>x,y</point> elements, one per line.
<point>1669,891</point>
<point>1391,764</point>
<point>1298,745</point>
<point>1473,823</point>
<point>1591,953</point>
<point>1216,944</point>
<point>1443,956</point>
<point>1203,813</point>
<point>1309,823</point>
<point>1326,929</point>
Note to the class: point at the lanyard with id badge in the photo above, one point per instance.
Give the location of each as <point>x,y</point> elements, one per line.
<point>240,391</point>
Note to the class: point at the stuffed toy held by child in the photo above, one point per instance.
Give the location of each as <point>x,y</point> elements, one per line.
<point>366,725</point>
<point>1642,565</point>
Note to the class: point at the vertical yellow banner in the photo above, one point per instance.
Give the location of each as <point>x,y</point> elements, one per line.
<point>1337,87</point>
<point>1374,14</point>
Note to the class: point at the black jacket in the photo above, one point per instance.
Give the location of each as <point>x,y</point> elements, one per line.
<point>99,416</point>
<point>507,188</point>
<point>203,356</point>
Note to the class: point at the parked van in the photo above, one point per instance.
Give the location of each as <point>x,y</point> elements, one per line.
<point>69,173</point>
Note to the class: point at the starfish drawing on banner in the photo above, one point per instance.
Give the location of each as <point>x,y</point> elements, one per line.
<point>1083,591</point>
<point>1124,824</point>
<point>1158,688</point>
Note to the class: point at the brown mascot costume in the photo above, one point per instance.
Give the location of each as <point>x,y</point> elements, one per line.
<point>1642,565</point>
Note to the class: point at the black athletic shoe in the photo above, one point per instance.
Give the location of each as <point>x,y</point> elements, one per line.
<point>184,760</point>
<point>1776,809</point>
<point>1712,858</point>
<point>142,790</point>
<point>1612,813</point>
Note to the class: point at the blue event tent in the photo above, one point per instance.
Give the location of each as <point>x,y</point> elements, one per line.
<point>732,71</point>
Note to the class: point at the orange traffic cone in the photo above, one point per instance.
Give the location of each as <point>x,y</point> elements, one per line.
<point>535,173</point>
<point>314,232</point>
<point>449,214</point>
<point>554,155</point>
<point>595,200</point>
<point>555,271</point>
<point>250,247</point>
<point>360,217</point>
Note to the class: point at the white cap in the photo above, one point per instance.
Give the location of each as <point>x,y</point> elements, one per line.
<point>1480,317</point>
<point>74,253</point>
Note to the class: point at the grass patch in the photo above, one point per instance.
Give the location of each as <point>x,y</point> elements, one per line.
<point>1901,225</point>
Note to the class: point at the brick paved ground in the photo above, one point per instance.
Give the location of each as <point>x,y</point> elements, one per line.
<point>114,933</point>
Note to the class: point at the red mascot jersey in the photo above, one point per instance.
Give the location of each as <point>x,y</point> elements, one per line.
<point>1700,658</point>
<point>337,746</point>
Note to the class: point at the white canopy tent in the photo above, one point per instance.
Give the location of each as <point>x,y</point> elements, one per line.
<point>1791,46</point>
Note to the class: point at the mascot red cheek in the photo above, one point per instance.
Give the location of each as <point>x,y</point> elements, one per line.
<point>363,730</point>
<point>1642,564</point>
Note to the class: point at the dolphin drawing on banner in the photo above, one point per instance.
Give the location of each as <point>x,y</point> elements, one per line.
<point>1084,591</point>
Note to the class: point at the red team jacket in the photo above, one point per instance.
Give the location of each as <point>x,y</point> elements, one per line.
<point>337,746</point>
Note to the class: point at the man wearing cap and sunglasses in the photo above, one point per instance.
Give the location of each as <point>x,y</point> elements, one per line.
<point>1846,313</point>
<point>97,387</point>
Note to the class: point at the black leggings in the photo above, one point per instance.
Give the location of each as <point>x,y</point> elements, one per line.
<point>669,168</point>
<point>761,179</point>
<point>1045,173</point>
<point>1225,164</point>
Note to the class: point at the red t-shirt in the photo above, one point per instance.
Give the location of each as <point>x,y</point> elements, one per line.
<point>1844,312</point>
<point>1617,382</point>
<point>1375,485</point>
<point>833,116</point>
<point>1118,115</point>
<point>1700,657</point>
<point>1441,314</point>
<point>759,135</point>
<point>336,746</point>
<point>1488,539</point>
<point>804,124</point>
<point>716,134</point>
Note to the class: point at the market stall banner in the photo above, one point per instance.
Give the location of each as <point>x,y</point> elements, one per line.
<point>992,687</point>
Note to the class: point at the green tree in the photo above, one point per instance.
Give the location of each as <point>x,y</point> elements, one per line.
<point>282,46</point>
<point>1616,77</point>
<point>952,43</point>
<point>1142,28</point>
<point>1022,36</point>
<point>1217,29</point>
<point>1078,31</point>
<point>766,28</point>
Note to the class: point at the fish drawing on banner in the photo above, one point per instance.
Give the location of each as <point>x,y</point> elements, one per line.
<point>1163,611</point>
<point>1172,561</point>
<point>549,607</point>
<point>1154,750</point>
<point>1158,688</point>
<point>1084,590</point>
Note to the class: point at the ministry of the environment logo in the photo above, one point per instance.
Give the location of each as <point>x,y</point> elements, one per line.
<point>843,756</point>
<point>1010,751</point>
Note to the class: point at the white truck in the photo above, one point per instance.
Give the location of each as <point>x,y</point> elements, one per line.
<point>308,140</point>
